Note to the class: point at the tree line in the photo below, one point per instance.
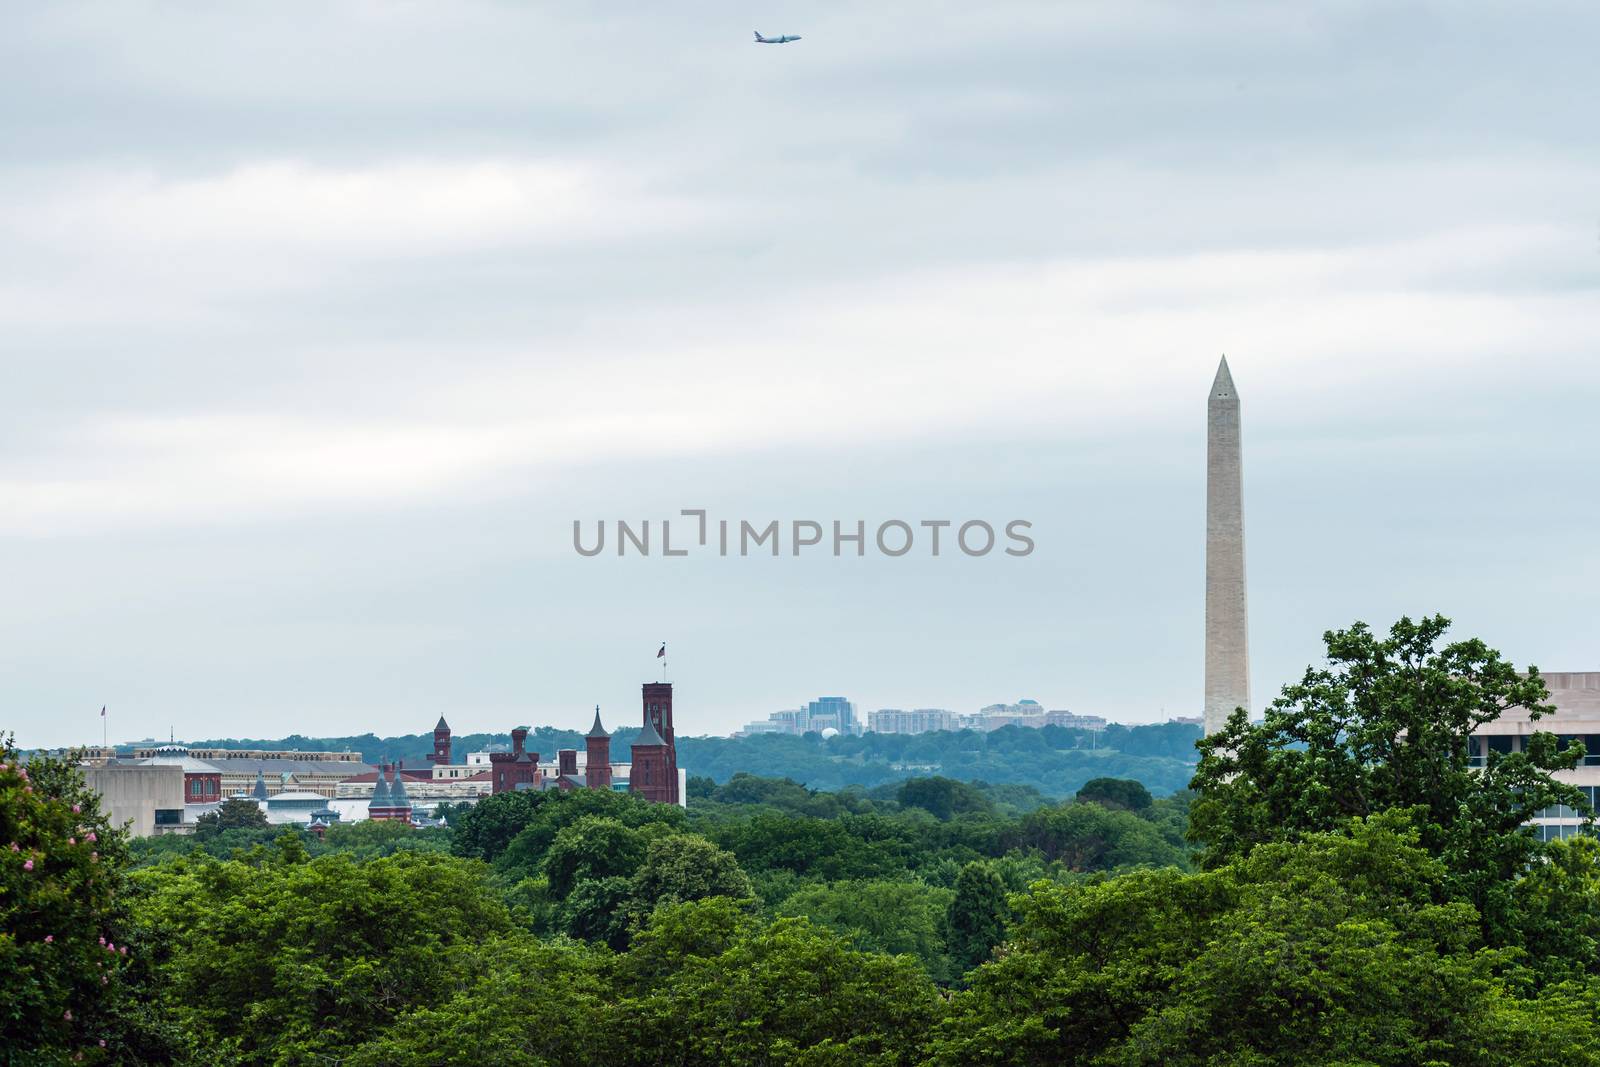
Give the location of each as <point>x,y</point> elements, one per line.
<point>1342,887</point>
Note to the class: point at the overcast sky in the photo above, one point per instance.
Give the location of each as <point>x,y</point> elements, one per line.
<point>320,323</point>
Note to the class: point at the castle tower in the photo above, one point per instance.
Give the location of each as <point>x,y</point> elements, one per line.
<point>440,756</point>
<point>597,746</point>
<point>651,776</point>
<point>1227,629</point>
<point>658,713</point>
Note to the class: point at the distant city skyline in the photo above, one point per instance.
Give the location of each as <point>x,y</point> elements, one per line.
<point>321,331</point>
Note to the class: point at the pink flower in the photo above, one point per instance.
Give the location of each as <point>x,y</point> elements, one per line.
<point>102,1042</point>
<point>111,946</point>
<point>77,808</point>
<point>123,950</point>
<point>102,939</point>
<point>27,865</point>
<point>72,840</point>
<point>49,938</point>
<point>67,1015</point>
<point>92,836</point>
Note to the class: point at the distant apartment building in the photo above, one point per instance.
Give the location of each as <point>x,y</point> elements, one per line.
<point>915,721</point>
<point>1025,713</point>
<point>824,713</point>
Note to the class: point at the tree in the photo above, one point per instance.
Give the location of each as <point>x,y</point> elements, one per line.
<point>977,916</point>
<point>788,993</point>
<point>593,847</point>
<point>289,960</point>
<point>62,937</point>
<point>485,830</point>
<point>1122,794</point>
<point>514,1000</point>
<point>1386,725</point>
<point>881,916</point>
<point>1088,837</point>
<point>688,867</point>
<point>525,853</point>
<point>1338,948</point>
<point>235,813</point>
<point>944,798</point>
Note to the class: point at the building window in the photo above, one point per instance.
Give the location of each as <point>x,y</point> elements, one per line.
<point>1591,747</point>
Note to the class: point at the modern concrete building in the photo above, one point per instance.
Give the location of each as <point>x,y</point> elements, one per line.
<point>147,799</point>
<point>1576,696</point>
<point>1227,625</point>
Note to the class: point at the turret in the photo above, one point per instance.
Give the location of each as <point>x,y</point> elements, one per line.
<point>380,791</point>
<point>597,747</point>
<point>440,756</point>
<point>397,792</point>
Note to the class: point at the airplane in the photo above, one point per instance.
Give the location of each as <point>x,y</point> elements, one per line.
<point>781,39</point>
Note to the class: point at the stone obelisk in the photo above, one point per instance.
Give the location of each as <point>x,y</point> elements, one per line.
<point>1227,628</point>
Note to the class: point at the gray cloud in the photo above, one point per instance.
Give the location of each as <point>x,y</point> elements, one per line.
<point>322,322</point>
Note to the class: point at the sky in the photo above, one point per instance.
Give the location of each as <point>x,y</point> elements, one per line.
<point>321,323</point>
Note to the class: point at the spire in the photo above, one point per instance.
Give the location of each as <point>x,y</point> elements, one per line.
<point>380,790</point>
<point>650,736</point>
<point>1222,388</point>
<point>442,726</point>
<point>597,730</point>
<point>260,790</point>
<point>397,790</point>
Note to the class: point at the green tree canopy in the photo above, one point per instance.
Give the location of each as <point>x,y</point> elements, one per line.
<point>1339,948</point>
<point>944,798</point>
<point>63,939</point>
<point>292,960</point>
<point>1120,793</point>
<point>1384,726</point>
<point>976,917</point>
<point>235,813</point>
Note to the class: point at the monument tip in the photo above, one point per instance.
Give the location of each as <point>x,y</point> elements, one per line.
<point>1222,386</point>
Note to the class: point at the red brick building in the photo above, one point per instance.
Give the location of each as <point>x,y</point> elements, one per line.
<point>202,781</point>
<point>517,769</point>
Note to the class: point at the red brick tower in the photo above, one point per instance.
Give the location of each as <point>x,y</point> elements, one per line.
<point>440,755</point>
<point>597,744</point>
<point>649,777</point>
<point>658,720</point>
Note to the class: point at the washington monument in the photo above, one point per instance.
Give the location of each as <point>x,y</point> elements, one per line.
<point>1227,629</point>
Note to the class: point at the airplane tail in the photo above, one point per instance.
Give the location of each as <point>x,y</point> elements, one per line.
<point>760,38</point>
